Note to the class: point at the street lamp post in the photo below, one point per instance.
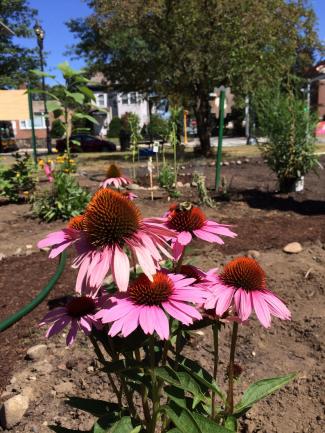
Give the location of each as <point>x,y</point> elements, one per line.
<point>40,33</point>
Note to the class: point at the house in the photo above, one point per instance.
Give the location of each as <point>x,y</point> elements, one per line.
<point>14,108</point>
<point>111,104</point>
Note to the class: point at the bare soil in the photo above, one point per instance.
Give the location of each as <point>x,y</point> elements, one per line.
<point>265,221</point>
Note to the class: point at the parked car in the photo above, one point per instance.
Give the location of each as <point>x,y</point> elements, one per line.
<point>88,143</point>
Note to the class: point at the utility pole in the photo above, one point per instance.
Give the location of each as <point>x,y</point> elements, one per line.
<point>40,33</point>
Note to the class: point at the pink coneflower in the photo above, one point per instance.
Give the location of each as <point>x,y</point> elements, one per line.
<point>190,271</point>
<point>148,303</point>
<point>189,221</point>
<point>112,225</point>
<point>114,177</point>
<point>79,313</point>
<point>62,239</point>
<point>242,286</point>
<point>129,195</point>
<point>48,172</point>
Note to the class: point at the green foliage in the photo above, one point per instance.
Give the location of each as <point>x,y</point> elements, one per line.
<point>261,389</point>
<point>64,200</point>
<point>17,182</point>
<point>166,177</point>
<point>156,47</point>
<point>114,128</point>
<point>158,127</point>
<point>289,129</point>
<point>57,130</point>
<point>15,60</point>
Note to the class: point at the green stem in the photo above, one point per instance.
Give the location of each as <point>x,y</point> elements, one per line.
<point>155,386</point>
<point>215,329</point>
<point>230,394</point>
<point>144,394</point>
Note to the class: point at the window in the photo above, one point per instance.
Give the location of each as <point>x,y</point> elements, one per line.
<point>125,98</point>
<point>39,122</point>
<point>133,98</point>
<point>100,100</point>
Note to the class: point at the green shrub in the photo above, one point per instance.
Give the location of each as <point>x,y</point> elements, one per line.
<point>284,120</point>
<point>17,182</point>
<point>64,200</point>
<point>158,127</point>
<point>114,127</point>
<point>57,130</point>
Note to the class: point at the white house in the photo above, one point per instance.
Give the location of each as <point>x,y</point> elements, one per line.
<point>111,104</point>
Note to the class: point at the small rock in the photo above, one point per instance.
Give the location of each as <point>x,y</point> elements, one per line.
<point>212,164</point>
<point>239,162</point>
<point>179,184</point>
<point>293,248</point>
<point>18,251</point>
<point>226,163</point>
<point>64,388</point>
<point>29,246</point>
<point>232,162</point>
<point>32,377</point>
<point>183,167</point>
<point>254,254</point>
<point>194,184</point>
<point>36,353</point>
<point>90,369</point>
<point>187,185</point>
<point>13,410</point>
<point>2,256</point>
<point>246,160</point>
<point>134,186</point>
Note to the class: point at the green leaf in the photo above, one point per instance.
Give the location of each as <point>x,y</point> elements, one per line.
<point>168,375</point>
<point>77,97</point>
<point>231,423</point>
<point>136,429</point>
<point>44,92</point>
<point>174,430</point>
<point>257,391</point>
<point>42,74</point>
<point>182,419</point>
<point>200,374</point>
<point>87,92</point>
<point>85,116</point>
<point>177,395</point>
<point>95,407</point>
<point>206,425</point>
<point>103,425</point>
<point>67,71</point>
<point>189,384</point>
<point>53,106</point>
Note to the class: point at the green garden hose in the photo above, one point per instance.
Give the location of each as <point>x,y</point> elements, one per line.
<point>39,298</point>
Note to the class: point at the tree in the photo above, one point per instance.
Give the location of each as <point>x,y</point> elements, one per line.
<point>16,61</point>
<point>182,50</point>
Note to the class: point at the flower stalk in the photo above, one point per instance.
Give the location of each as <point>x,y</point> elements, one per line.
<point>230,393</point>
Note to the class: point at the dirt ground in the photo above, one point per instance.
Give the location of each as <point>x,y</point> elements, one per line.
<point>265,221</point>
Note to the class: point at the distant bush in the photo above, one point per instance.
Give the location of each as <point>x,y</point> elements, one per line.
<point>114,127</point>
<point>158,127</point>
<point>64,200</point>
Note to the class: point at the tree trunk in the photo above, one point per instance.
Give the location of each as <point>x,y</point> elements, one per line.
<point>202,114</point>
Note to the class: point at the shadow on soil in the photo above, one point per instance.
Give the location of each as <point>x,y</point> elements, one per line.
<point>271,201</point>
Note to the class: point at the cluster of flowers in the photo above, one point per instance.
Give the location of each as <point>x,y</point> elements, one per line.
<point>60,163</point>
<point>112,236</point>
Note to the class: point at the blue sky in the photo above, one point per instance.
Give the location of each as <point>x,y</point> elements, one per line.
<point>54,13</point>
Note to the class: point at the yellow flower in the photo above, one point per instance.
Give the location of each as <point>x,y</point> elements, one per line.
<point>71,160</point>
<point>66,170</point>
<point>26,193</point>
<point>54,150</point>
<point>17,175</point>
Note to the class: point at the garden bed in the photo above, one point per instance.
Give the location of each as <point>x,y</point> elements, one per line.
<point>264,221</point>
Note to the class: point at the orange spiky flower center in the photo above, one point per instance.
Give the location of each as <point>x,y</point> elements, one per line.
<point>142,291</point>
<point>113,171</point>
<point>244,273</point>
<point>181,219</point>
<point>110,218</point>
<point>79,307</point>
<point>190,272</point>
<point>76,222</point>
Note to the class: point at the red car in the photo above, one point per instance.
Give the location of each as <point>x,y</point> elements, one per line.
<point>87,143</point>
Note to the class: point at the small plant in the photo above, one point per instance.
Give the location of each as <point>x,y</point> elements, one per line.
<point>158,127</point>
<point>18,182</point>
<point>60,163</point>
<point>202,191</point>
<point>290,148</point>
<point>64,200</point>
<point>135,137</point>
